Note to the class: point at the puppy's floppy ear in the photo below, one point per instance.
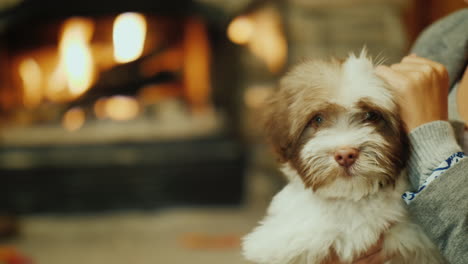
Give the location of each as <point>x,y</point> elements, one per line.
<point>280,126</point>
<point>277,125</point>
<point>288,110</point>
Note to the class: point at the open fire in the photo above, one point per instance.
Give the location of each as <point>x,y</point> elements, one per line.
<point>99,106</point>
<point>76,68</point>
<point>87,76</point>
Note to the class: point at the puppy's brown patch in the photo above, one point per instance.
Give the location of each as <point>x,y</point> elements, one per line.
<point>289,109</point>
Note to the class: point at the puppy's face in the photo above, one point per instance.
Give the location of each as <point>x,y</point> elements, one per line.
<point>337,126</point>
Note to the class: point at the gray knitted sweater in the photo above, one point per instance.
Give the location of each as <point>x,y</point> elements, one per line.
<point>442,207</point>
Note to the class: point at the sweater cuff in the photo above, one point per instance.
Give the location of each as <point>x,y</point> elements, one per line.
<point>430,145</point>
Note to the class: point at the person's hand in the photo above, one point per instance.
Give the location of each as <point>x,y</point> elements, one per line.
<point>372,256</point>
<point>422,89</point>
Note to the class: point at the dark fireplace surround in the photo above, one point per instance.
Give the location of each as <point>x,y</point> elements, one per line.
<point>82,178</point>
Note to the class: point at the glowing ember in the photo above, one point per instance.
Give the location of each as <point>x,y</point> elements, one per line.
<point>31,76</point>
<point>75,55</point>
<point>129,36</point>
<point>197,64</point>
<point>73,119</point>
<point>100,108</point>
<point>240,30</point>
<point>121,108</point>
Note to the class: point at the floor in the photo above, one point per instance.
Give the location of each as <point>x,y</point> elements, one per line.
<point>175,236</point>
<point>171,236</point>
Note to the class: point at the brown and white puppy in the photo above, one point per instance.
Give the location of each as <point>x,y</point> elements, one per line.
<point>337,131</point>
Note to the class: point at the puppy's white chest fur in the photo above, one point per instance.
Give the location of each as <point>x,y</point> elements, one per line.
<point>302,226</point>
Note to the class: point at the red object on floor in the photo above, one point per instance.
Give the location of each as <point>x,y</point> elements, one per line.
<point>9,255</point>
<point>210,241</point>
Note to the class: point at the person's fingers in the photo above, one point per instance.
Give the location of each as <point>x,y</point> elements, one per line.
<point>395,78</point>
<point>439,68</point>
<point>409,67</point>
<point>376,258</point>
<point>377,246</point>
<point>410,72</point>
<point>388,73</point>
<point>418,82</point>
<point>331,259</point>
<point>373,255</point>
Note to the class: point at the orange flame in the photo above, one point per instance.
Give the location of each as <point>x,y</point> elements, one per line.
<point>75,71</point>
<point>129,35</point>
<point>31,76</point>
<point>197,64</point>
<point>75,54</point>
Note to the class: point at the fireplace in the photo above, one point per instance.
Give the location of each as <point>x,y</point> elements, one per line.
<point>117,105</point>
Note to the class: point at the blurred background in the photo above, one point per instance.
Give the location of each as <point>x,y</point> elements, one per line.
<point>129,130</point>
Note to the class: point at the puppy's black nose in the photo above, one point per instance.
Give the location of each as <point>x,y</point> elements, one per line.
<point>346,156</point>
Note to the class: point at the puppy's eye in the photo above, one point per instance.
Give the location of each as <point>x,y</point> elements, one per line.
<point>372,116</point>
<point>317,120</point>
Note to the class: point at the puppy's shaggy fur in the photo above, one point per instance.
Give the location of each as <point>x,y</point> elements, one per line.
<point>327,208</point>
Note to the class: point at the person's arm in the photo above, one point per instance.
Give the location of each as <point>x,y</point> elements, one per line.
<point>440,206</point>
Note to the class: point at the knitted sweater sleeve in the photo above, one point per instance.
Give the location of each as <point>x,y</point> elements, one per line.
<point>441,207</point>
